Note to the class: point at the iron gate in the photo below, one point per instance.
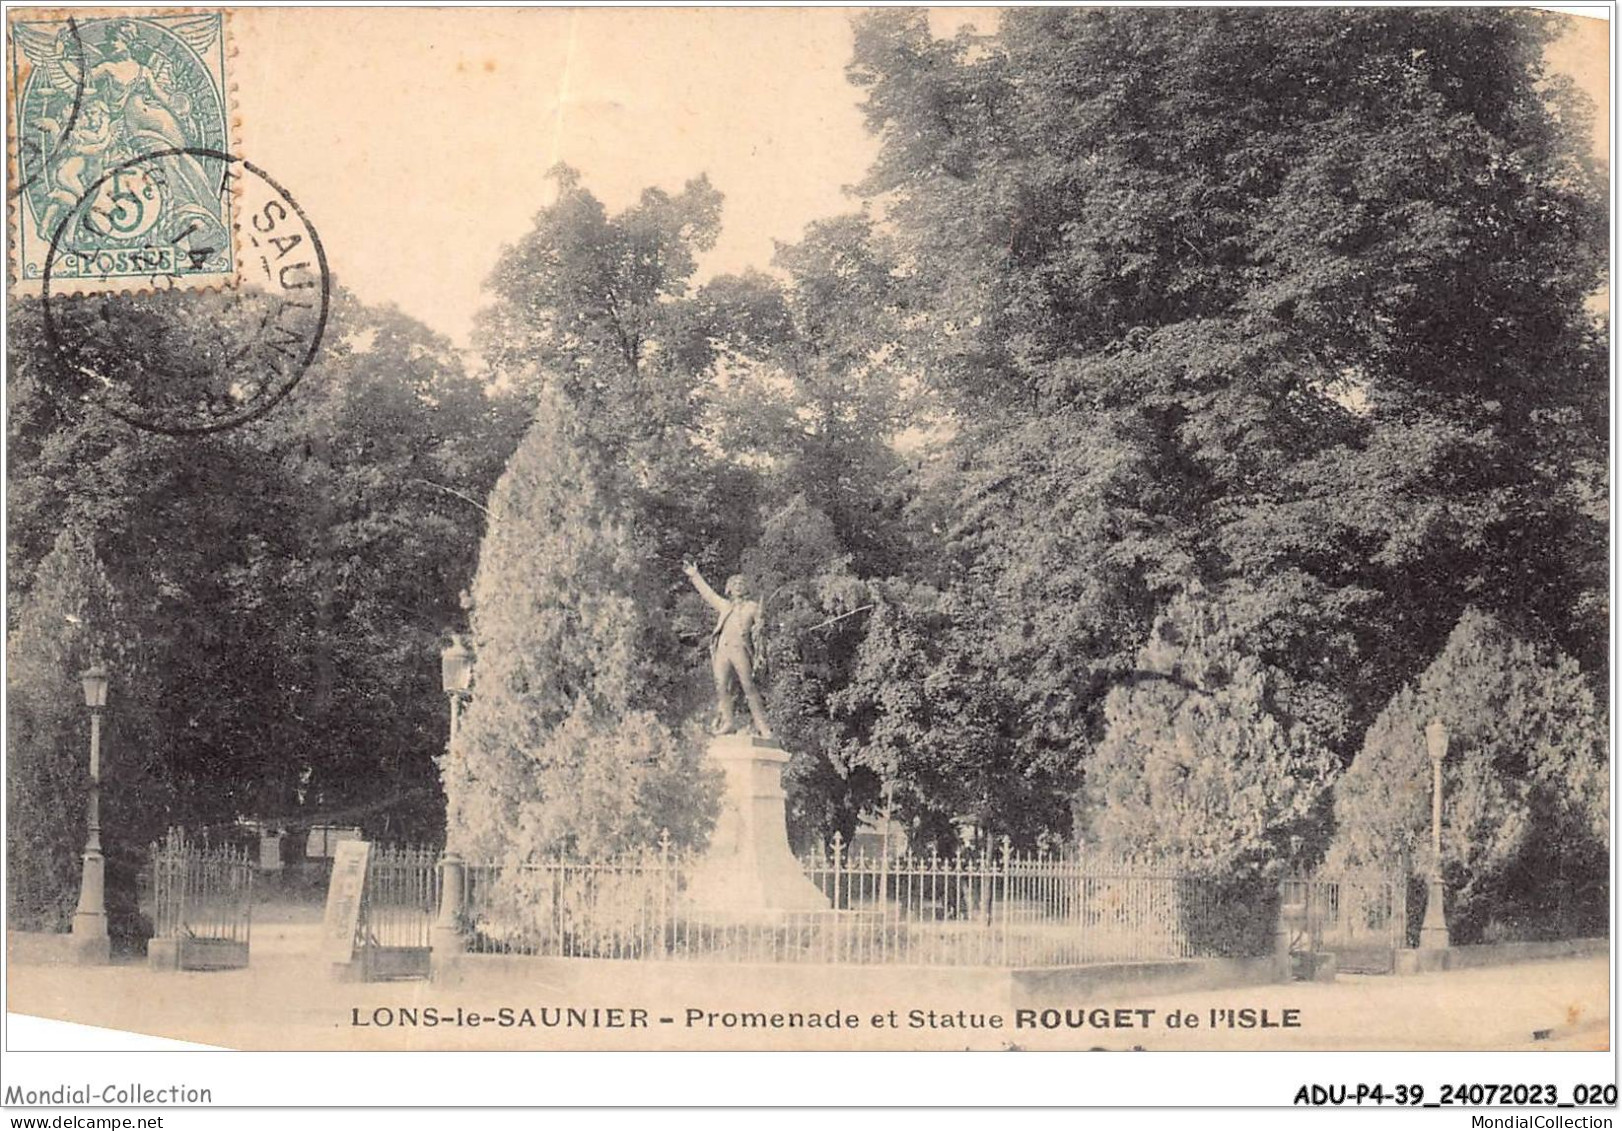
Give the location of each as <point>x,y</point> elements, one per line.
<point>1361,919</point>
<point>398,905</point>
<point>202,905</point>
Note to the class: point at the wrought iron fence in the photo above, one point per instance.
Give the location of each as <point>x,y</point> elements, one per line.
<point>200,892</point>
<point>400,896</point>
<point>998,908</point>
<point>1360,917</point>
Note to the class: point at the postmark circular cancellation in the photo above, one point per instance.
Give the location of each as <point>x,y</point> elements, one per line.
<point>184,290</point>
<point>169,359</point>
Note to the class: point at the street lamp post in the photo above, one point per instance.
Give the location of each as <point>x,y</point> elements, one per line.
<point>445,937</point>
<point>1433,935</point>
<point>90,920</point>
<point>456,676</point>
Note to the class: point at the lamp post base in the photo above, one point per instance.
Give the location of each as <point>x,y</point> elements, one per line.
<point>1433,935</point>
<point>88,945</point>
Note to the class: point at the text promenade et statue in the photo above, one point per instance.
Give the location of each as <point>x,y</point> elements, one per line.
<point>735,650</point>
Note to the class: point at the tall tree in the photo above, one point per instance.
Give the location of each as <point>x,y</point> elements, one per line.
<point>744,424</point>
<point>809,394</point>
<point>596,310</point>
<point>70,620</point>
<point>573,740</point>
<point>814,384</point>
<point>587,641</point>
<point>1286,302</point>
<point>1526,786</point>
<point>1202,763</point>
<point>282,585</point>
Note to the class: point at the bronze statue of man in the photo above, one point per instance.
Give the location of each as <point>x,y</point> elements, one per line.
<point>733,650</point>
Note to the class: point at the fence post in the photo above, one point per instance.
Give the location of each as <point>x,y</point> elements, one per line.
<point>245,877</point>
<point>1007,892</point>
<point>445,939</point>
<point>160,889</point>
<point>177,850</point>
<point>163,949</point>
<point>839,857</point>
<point>666,902</point>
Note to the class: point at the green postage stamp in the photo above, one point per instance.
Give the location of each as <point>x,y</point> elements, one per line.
<point>121,142</point>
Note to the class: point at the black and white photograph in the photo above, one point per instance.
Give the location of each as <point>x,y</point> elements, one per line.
<point>811,529</point>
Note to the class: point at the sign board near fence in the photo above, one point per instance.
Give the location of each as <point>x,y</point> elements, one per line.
<point>323,841</point>
<point>344,893</point>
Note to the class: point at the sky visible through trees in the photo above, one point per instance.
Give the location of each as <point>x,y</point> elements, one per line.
<point>1188,403</point>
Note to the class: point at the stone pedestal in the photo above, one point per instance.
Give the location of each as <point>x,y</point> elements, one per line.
<point>748,868</point>
<point>89,944</point>
<point>1433,934</point>
<point>88,950</point>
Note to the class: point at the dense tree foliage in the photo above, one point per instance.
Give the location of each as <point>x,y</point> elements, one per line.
<point>1526,786</point>
<point>1201,762</point>
<point>1284,303</point>
<point>281,588</point>
<point>1276,318</point>
<point>572,741</point>
<point>1118,468</point>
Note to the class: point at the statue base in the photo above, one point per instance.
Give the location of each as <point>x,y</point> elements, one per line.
<point>748,869</point>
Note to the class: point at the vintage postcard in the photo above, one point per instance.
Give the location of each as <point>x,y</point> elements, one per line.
<point>813,529</point>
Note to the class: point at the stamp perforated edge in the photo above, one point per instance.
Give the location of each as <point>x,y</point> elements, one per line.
<point>19,287</point>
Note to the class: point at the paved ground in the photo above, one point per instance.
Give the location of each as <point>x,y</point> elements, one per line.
<point>288,1000</point>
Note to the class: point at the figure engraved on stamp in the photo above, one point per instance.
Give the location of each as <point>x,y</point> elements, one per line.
<point>737,648</point>
<point>103,93</point>
<point>61,59</point>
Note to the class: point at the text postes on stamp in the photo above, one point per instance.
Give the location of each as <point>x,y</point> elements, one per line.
<point>96,94</point>
<point>201,362</point>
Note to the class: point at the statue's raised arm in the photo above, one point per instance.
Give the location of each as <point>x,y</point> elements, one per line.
<point>733,642</point>
<point>715,600</point>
